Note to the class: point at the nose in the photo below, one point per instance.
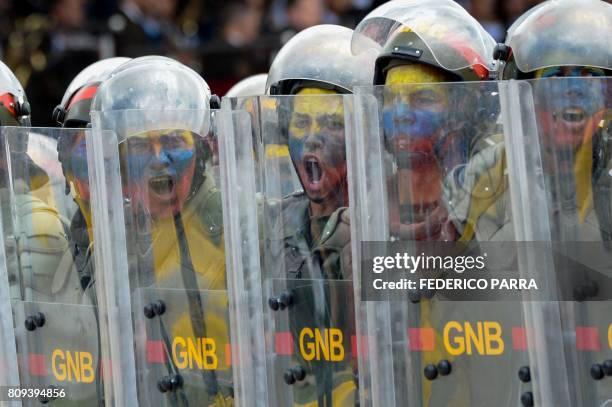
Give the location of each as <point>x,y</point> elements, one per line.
<point>403,112</point>
<point>156,147</point>
<point>576,89</point>
<point>314,142</point>
<point>160,159</point>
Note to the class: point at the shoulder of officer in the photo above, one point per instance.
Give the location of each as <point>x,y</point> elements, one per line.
<point>295,196</point>
<point>487,142</point>
<point>294,202</point>
<point>45,221</point>
<point>294,214</point>
<point>337,231</point>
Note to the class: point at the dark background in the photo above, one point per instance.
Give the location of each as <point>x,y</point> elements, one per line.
<point>47,43</point>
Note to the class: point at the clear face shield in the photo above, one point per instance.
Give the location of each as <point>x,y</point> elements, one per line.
<point>562,33</point>
<point>453,39</point>
<point>163,156</point>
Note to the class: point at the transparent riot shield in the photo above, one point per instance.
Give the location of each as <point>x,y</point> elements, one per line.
<point>562,161</point>
<point>306,310</point>
<point>164,263</point>
<point>239,183</point>
<point>278,170</point>
<point>9,371</point>
<point>427,165</point>
<point>47,239</point>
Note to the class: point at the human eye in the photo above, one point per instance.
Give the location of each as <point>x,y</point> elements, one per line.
<point>301,121</point>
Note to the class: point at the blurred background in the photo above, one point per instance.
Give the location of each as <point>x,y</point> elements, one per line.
<point>47,43</point>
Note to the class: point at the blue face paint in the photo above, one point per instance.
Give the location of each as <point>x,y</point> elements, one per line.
<point>296,148</point>
<point>400,120</point>
<point>173,163</point>
<point>143,162</point>
<point>558,94</point>
<point>78,161</point>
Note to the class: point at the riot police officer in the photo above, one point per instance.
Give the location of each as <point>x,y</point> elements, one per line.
<point>307,269</point>
<point>74,112</point>
<point>559,48</point>
<point>433,110</point>
<point>46,287</point>
<point>159,111</point>
<point>316,146</point>
<point>429,138</point>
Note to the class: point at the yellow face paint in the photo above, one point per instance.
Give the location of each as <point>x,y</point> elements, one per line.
<point>415,85</point>
<point>569,71</point>
<point>312,115</point>
<point>183,137</point>
<point>317,149</point>
<point>414,73</point>
<point>316,91</point>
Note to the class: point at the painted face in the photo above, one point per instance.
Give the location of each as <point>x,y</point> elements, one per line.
<point>414,110</point>
<point>415,117</point>
<point>78,174</point>
<point>570,107</point>
<point>316,145</point>
<point>160,166</point>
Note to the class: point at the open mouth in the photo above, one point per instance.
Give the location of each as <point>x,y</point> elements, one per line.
<point>313,169</point>
<point>573,115</point>
<point>162,185</point>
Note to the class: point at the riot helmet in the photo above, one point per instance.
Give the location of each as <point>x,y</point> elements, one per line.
<point>74,109</point>
<point>14,106</point>
<point>438,33</point>
<point>565,43</point>
<point>159,110</point>
<point>252,86</point>
<point>319,57</point>
<point>315,117</point>
<point>559,33</point>
<point>15,111</point>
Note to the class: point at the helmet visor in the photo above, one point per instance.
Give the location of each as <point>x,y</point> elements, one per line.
<point>440,24</point>
<point>563,33</point>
